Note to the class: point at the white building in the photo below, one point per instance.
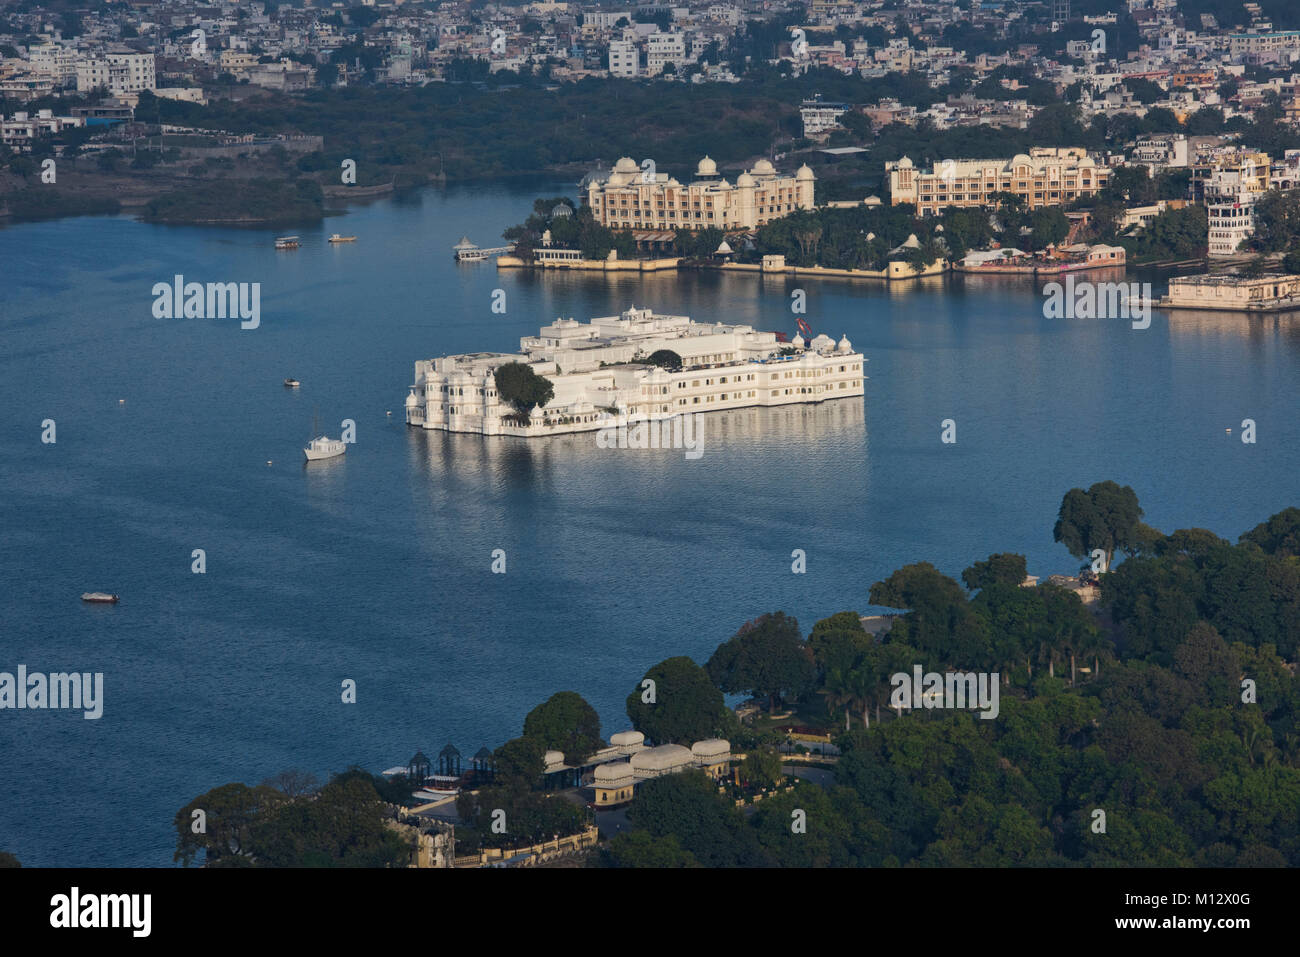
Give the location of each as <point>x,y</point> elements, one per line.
<point>601,366</point>
<point>56,62</point>
<point>664,48</point>
<point>1230,208</point>
<point>622,59</point>
<point>21,130</point>
<point>119,73</point>
<point>819,117</point>
<point>1160,152</point>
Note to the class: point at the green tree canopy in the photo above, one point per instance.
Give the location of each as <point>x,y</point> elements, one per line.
<point>565,722</point>
<point>685,707</point>
<point>522,388</point>
<point>1279,536</point>
<point>1005,568</point>
<point>766,658</point>
<point>520,763</point>
<point>642,849</point>
<point>1106,516</point>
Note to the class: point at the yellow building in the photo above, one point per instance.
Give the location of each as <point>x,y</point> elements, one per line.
<point>630,197</point>
<point>1233,293</point>
<point>1043,177</point>
<point>615,782</point>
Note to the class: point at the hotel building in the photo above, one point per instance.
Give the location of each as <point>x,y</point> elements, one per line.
<point>1044,177</point>
<point>599,369</point>
<point>1230,193</point>
<point>119,73</point>
<point>628,198</point>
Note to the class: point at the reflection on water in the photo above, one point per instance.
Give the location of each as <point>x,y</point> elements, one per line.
<point>824,431</point>
<point>1276,327</point>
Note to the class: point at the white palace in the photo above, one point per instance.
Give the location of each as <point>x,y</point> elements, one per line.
<point>600,370</point>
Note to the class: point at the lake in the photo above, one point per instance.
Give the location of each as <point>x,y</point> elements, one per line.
<point>177,434</point>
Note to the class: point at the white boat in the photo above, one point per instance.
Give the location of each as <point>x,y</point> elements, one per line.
<point>292,383</point>
<point>100,597</point>
<point>323,447</point>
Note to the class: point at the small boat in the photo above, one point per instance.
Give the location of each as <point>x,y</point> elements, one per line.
<point>323,447</point>
<point>336,238</point>
<point>100,597</point>
<point>287,242</point>
<point>292,383</point>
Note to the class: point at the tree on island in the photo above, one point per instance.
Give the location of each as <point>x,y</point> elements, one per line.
<point>341,825</point>
<point>666,359</point>
<point>761,768</point>
<point>528,816</point>
<point>837,641</point>
<point>522,388</point>
<point>293,783</point>
<point>228,814</point>
<point>1004,568</point>
<point>567,723</point>
<point>642,849</point>
<point>687,806</point>
<point>519,763</point>
<point>685,706</point>
<point>940,623</point>
<point>767,658</point>
<point>1279,536</point>
<point>1106,516</point>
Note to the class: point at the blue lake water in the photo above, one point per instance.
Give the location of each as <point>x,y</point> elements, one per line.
<point>377,567</point>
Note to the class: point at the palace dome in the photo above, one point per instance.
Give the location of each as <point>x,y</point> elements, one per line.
<point>845,346</point>
<point>627,739</point>
<point>763,168</point>
<point>706,168</point>
<point>626,165</point>
<point>744,179</point>
<point>615,772</point>
<point>711,748</point>
<point>804,174</point>
<point>666,757</point>
<point>797,342</point>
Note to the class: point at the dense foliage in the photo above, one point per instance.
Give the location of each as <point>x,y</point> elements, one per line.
<point>1169,736</point>
<point>565,723</point>
<point>341,825</point>
<point>239,201</point>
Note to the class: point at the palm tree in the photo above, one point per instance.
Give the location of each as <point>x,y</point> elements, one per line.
<point>838,689</point>
<point>862,691</point>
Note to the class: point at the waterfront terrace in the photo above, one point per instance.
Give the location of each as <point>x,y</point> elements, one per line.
<point>603,368</point>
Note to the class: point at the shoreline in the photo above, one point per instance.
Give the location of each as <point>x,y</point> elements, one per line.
<point>894,272</point>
